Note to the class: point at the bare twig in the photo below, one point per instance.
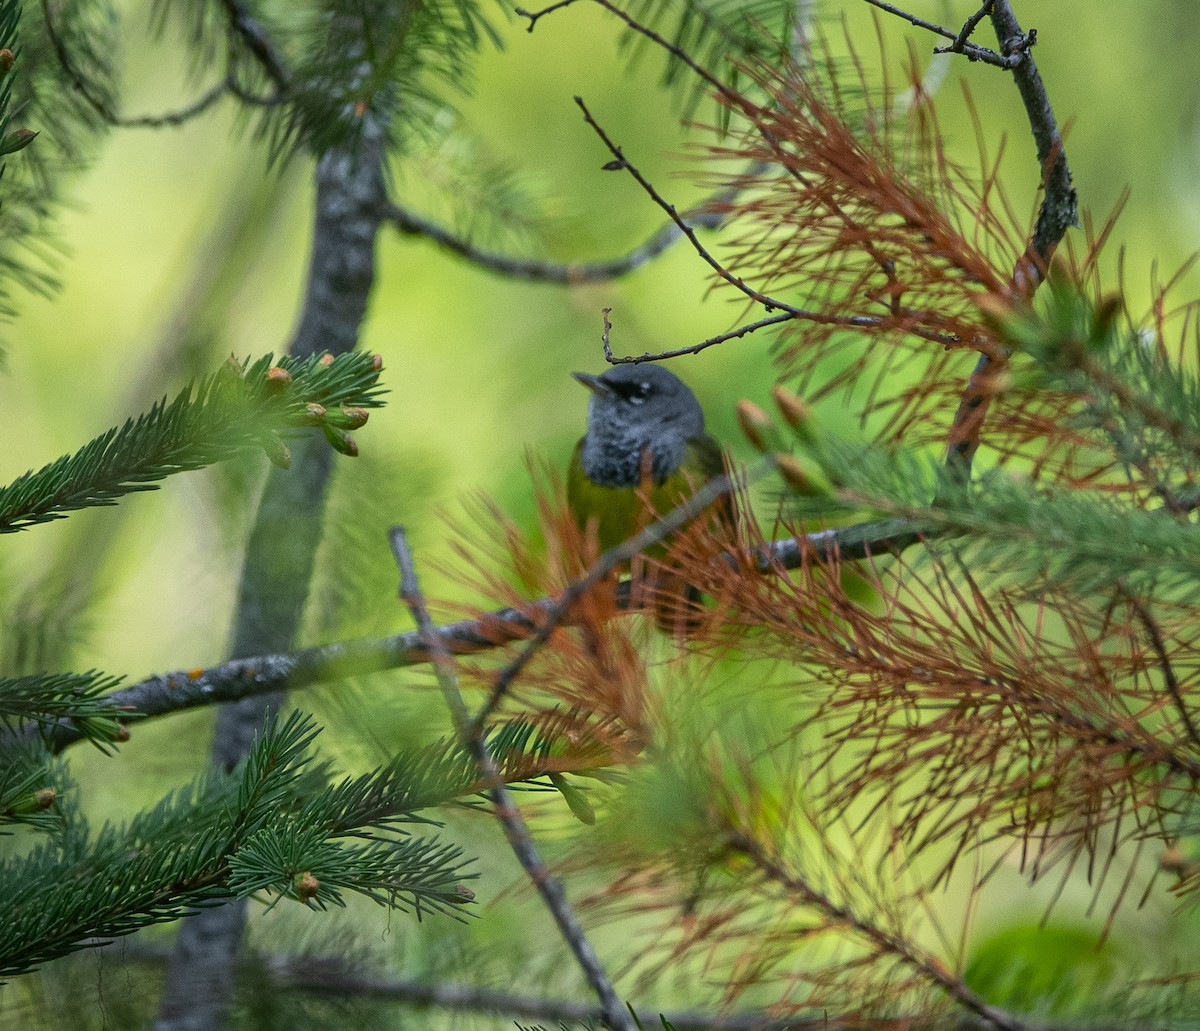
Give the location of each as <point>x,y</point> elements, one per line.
<point>472,736</point>
<point>720,338</point>
<point>969,26</point>
<point>972,51</point>
<point>566,273</point>
<point>770,303</point>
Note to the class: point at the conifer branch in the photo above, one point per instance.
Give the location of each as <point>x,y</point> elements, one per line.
<point>83,701</point>
<point>252,676</point>
<point>472,736</point>
<point>275,828</point>
<point>237,410</point>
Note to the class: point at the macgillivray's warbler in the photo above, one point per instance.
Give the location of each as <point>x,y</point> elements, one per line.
<point>645,451</point>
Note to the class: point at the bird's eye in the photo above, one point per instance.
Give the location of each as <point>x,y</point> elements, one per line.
<point>635,393</point>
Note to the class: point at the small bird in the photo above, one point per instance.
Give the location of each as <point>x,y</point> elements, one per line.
<point>645,439</point>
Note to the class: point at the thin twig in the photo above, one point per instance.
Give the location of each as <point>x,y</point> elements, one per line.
<point>887,942</point>
<point>1058,212</point>
<point>536,270</point>
<point>720,338</point>
<point>969,26</point>
<point>472,736</point>
<point>770,303</point>
<point>972,51</point>
<point>659,40</point>
<point>1170,678</point>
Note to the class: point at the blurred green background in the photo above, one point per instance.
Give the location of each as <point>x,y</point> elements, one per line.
<point>181,246</point>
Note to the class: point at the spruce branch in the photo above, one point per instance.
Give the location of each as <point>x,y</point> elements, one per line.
<point>237,410</point>
<point>29,789</point>
<point>160,866</point>
<point>277,826</point>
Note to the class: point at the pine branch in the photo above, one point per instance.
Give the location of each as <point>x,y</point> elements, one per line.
<point>237,410</point>
<point>1021,532</point>
<point>265,674</point>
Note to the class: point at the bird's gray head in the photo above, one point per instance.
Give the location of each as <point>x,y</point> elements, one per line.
<point>635,409</point>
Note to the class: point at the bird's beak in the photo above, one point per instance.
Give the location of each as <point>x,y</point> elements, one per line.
<point>593,383</point>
